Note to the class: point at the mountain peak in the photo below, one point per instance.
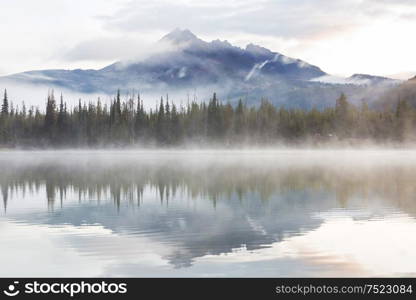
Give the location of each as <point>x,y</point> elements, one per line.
<point>224,43</point>
<point>179,36</point>
<point>257,49</point>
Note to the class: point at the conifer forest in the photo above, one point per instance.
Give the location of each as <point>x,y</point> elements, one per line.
<point>126,122</point>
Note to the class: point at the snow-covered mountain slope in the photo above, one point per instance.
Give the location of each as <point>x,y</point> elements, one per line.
<point>358,79</point>
<point>196,66</point>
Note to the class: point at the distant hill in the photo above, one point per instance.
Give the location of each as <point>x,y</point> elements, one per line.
<point>405,91</point>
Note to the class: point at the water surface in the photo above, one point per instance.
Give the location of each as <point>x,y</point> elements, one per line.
<point>208,213</point>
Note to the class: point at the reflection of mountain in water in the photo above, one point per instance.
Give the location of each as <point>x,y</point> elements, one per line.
<point>207,208</point>
<point>195,232</point>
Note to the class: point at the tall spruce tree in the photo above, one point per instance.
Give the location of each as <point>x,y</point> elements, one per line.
<point>50,117</point>
<point>5,105</point>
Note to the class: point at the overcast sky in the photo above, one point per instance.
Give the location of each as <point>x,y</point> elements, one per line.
<point>340,36</point>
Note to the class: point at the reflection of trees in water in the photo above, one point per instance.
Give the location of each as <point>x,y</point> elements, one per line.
<point>127,182</point>
<point>256,205</point>
<point>5,195</point>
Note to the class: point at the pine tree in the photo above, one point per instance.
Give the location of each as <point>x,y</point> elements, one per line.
<point>61,120</point>
<point>118,105</point>
<point>5,105</point>
<point>50,117</point>
<point>140,119</point>
<point>239,126</point>
<point>403,120</point>
<point>160,123</point>
<point>343,116</point>
<point>176,131</point>
<point>213,117</point>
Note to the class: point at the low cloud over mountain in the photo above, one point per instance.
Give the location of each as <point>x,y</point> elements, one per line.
<point>180,63</point>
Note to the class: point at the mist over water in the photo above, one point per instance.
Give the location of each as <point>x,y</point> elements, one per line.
<point>198,213</point>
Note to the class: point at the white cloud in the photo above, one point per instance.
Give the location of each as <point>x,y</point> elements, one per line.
<point>115,48</point>
<point>340,36</point>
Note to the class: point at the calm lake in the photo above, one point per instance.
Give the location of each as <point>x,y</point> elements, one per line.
<point>208,213</point>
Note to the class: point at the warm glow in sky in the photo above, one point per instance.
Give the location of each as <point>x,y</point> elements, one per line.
<point>340,36</point>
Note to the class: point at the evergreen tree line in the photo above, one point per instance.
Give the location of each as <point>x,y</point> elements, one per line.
<point>126,122</point>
